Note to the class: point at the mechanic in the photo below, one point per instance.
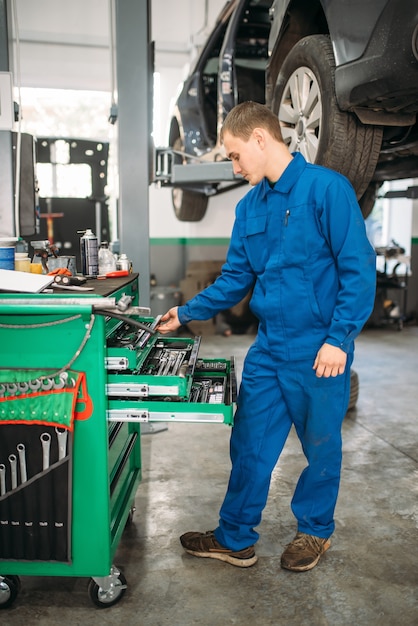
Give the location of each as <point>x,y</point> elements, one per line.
<point>299,241</point>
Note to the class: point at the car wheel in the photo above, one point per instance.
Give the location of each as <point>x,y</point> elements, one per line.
<point>312,123</point>
<point>368,199</point>
<point>189,206</point>
<point>354,390</point>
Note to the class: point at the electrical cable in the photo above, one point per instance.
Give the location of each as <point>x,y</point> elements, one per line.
<point>126,319</point>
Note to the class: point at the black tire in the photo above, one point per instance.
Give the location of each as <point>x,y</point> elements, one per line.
<point>354,390</point>
<point>313,124</point>
<point>189,206</point>
<point>368,199</point>
<point>105,599</point>
<point>9,588</point>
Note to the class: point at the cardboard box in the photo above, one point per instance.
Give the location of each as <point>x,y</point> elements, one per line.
<point>199,275</point>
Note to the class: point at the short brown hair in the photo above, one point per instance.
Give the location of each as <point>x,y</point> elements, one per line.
<point>243,118</point>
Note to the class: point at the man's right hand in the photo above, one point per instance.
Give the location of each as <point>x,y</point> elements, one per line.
<point>169,322</point>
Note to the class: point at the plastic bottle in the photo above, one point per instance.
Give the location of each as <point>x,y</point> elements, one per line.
<point>22,262</point>
<point>124,263</point>
<point>107,262</point>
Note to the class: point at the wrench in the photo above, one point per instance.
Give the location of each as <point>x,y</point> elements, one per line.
<point>47,384</point>
<point>178,362</point>
<point>23,387</point>
<point>46,444</point>
<point>35,384</point>
<point>170,361</point>
<point>62,382</point>
<point>22,462</point>
<point>13,467</point>
<point>163,363</point>
<point>11,388</point>
<point>2,479</point>
<point>62,442</point>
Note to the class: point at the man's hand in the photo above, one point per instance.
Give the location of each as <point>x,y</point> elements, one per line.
<point>169,321</point>
<point>330,361</point>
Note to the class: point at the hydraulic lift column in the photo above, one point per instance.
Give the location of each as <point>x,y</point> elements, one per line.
<point>134,86</point>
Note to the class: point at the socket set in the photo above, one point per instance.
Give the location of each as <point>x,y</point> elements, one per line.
<point>151,377</point>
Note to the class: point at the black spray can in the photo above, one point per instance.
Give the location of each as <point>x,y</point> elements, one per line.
<point>89,248</point>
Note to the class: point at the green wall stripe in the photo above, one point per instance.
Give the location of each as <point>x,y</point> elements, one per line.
<point>414,241</point>
<point>189,241</point>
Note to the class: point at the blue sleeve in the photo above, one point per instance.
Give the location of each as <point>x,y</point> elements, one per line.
<point>343,226</point>
<point>229,288</point>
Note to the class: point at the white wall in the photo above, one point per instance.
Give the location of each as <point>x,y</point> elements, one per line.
<point>217,222</point>
<point>65,44</point>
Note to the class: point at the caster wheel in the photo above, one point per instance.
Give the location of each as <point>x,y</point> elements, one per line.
<point>130,518</point>
<point>105,598</point>
<point>9,588</point>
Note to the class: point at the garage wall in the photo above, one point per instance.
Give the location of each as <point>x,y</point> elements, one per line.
<point>66,44</point>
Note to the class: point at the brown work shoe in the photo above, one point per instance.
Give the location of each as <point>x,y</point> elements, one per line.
<point>304,552</point>
<point>205,545</point>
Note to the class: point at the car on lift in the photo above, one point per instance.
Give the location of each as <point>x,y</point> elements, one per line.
<point>341,75</point>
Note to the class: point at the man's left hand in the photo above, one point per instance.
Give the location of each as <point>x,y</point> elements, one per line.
<point>330,361</point>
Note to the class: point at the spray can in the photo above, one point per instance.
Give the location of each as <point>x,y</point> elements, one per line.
<point>89,249</point>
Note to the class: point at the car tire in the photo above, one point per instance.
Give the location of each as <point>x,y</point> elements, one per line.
<point>312,123</point>
<point>189,206</point>
<point>354,390</point>
<point>368,199</point>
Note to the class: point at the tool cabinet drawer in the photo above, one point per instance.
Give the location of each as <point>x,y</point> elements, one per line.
<point>211,399</point>
<point>119,438</point>
<point>124,468</point>
<point>139,365</point>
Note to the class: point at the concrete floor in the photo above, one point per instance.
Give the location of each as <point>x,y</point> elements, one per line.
<point>368,577</point>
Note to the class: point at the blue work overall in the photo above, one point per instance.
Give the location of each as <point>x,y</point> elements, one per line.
<point>273,396</point>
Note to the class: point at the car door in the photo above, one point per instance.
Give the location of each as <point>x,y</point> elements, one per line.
<point>244,56</point>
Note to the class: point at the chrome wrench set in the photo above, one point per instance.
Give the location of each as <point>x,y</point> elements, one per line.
<point>125,337</point>
<point>17,463</point>
<point>166,360</point>
<point>42,383</point>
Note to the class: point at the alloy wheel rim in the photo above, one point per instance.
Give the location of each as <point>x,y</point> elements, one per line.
<point>300,113</point>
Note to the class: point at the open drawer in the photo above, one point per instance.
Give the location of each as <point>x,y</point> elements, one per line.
<point>156,366</point>
<point>211,398</point>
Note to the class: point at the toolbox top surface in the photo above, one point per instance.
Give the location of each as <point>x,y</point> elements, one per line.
<point>107,286</point>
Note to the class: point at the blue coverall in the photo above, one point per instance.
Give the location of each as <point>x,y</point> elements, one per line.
<point>302,245</point>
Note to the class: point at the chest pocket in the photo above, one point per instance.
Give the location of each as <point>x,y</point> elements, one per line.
<point>299,235</point>
<point>254,235</point>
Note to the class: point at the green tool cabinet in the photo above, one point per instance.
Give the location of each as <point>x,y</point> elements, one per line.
<point>49,343</point>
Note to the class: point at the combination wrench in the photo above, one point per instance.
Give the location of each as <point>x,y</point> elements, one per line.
<point>22,462</point>
<point>46,444</point>
<point>62,442</point>
<point>2,479</point>
<point>13,468</point>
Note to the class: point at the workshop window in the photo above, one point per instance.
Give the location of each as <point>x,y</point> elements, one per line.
<point>72,180</point>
